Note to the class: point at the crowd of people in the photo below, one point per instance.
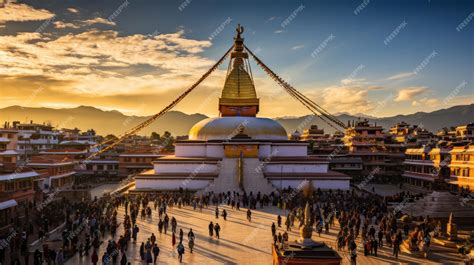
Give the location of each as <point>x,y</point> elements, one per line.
<point>87,224</point>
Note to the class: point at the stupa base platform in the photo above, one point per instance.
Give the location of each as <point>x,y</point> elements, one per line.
<point>447,243</point>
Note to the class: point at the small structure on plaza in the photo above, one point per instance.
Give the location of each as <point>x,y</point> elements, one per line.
<point>451,229</point>
<point>305,250</point>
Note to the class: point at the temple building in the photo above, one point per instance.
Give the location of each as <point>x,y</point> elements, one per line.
<point>379,153</point>
<point>239,151</point>
<point>462,168</point>
<point>426,167</point>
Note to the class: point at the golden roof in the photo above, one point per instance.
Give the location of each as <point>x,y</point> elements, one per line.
<point>239,89</point>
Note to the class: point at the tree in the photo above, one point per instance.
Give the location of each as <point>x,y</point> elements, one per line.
<point>110,137</point>
<point>155,136</point>
<point>167,141</point>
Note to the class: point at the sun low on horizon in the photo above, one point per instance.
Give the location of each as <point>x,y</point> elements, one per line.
<point>137,56</point>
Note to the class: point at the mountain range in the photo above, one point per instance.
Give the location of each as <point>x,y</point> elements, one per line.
<point>179,123</point>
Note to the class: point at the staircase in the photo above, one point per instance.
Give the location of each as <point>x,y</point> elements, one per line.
<point>228,180</point>
<point>254,180</point>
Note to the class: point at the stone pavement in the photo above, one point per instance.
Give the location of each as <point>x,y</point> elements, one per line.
<point>242,242</point>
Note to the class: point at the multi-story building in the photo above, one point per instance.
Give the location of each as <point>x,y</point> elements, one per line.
<point>381,157</point>
<point>411,136</point>
<point>8,145</point>
<point>313,133</point>
<point>136,161</point>
<point>33,137</point>
<point>321,143</point>
<point>17,191</point>
<point>462,168</point>
<point>349,165</point>
<point>59,171</point>
<point>465,132</point>
<point>426,167</point>
<point>104,166</point>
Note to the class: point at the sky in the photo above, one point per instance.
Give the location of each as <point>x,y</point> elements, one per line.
<point>380,58</point>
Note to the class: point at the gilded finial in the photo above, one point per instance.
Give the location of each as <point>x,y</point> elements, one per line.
<point>239,30</point>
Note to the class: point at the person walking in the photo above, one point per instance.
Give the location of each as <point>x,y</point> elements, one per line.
<point>273,230</point>
<point>135,232</point>
<point>279,220</point>
<point>217,228</point>
<point>396,246</point>
<point>94,257</point>
<point>160,226</point>
<point>123,260</point>
<point>288,224</point>
<point>37,258</point>
<point>191,244</point>
<point>148,257</point>
<point>224,214</point>
<point>190,234</point>
<point>156,253</point>
<point>60,257</point>
<point>180,249</point>
<point>217,212</point>
<point>181,234</point>
<point>142,251</point>
<point>105,259</point>
<point>211,229</point>
<point>249,215</point>
<point>353,252</point>
<point>174,225</point>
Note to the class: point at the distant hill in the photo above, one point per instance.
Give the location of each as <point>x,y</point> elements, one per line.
<point>432,121</point>
<point>178,123</point>
<point>103,122</point>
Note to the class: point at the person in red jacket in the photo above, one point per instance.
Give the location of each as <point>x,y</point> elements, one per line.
<point>94,258</point>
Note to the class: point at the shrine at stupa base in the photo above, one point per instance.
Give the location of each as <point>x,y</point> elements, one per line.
<point>305,250</point>
<point>239,151</point>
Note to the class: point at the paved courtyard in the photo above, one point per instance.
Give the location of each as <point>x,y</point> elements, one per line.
<point>242,242</point>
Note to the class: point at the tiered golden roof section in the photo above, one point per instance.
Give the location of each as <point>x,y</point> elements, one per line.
<point>239,89</point>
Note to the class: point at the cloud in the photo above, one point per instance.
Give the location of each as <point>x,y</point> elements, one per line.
<point>409,93</point>
<point>73,10</point>
<point>346,99</point>
<point>375,87</point>
<point>63,25</point>
<point>97,62</point>
<point>297,47</point>
<point>429,102</point>
<point>401,76</point>
<point>271,19</point>
<point>353,81</point>
<point>99,20</point>
<point>23,12</point>
<point>278,31</point>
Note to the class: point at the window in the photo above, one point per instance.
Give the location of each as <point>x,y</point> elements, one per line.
<point>10,186</point>
<point>466,157</point>
<point>465,172</point>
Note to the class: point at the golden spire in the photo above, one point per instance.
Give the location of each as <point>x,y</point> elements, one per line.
<point>238,94</point>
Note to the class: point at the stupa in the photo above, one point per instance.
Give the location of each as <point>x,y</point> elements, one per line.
<point>239,151</point>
